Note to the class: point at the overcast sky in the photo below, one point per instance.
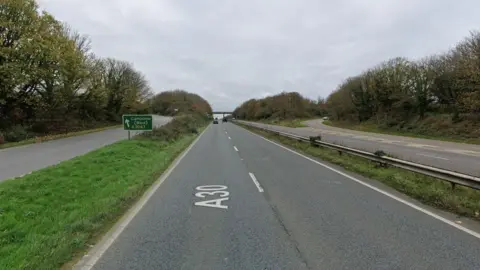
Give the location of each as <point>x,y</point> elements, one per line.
<point>230,51</point>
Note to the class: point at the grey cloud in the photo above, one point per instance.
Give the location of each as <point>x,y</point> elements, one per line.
<point>230,51</point>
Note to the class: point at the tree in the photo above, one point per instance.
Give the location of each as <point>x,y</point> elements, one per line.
<point>51,82</point>
<point>179,101</point>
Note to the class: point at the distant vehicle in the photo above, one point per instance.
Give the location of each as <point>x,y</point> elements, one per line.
<point>224,120</point>
<point>215,121</point>
<point>325,118</point>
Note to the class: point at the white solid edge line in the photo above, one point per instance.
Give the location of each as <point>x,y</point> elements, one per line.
<point>236,149</point>
<point>416,207</point>
<point>91,258</point>
<point>432,156</point>
<point>260,189</point>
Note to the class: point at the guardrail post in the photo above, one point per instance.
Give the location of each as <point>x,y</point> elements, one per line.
<point>340,152</point>
<point>381,164</point>
<point>453,185</point>
<point>313,139</point>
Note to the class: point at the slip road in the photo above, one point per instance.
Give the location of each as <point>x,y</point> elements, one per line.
<point>22,160</point>
<point>458,157</point>
<point>264,207</point>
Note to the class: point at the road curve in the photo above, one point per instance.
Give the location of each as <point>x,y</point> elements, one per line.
<point>269,208</point>
<point>22,160</point>
<point>458,157</point>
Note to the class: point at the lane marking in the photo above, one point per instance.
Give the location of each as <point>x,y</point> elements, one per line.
<point>226,132</point>
<point>91,258</point>
<point>234,147</point>
<point>229,138</point>
<point>426,155</point>
<point>416,145</point>
<point>260,189</point>
<point>416,207</point>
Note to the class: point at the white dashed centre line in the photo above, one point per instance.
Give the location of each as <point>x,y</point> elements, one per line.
<point>235,148</point>
<point>229,138</point>
<point>254,179</point>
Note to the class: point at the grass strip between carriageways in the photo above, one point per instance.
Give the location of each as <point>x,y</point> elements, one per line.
<point>431,191</point>
<point>49,216</point>
<point>294,123</point>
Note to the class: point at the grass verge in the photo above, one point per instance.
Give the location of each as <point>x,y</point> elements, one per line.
<point>55,137</point>
<point>374,129</point>
<point>51,215</point>
<point>431,191</point>
<point>295,123</point>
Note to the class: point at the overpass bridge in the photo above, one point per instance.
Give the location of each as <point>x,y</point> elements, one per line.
<point>223,113</point>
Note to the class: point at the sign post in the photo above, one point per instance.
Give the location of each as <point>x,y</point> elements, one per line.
<point>139,122</point>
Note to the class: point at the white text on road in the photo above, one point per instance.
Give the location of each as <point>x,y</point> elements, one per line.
<point>211,190</point>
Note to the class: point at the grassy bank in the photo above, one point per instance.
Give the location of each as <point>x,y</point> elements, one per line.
<point>285,122</point>
<point>432,127</point>
<point>49,216</point>
<point>462,201</point>
<point>55,137</point>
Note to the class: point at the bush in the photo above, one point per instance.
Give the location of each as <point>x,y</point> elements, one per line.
<point>2,139</point>
<point>16,134</point>
<point>180,125</point>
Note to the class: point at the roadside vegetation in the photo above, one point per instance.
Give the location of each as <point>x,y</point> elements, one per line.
<point>434,192</point>
<point>285,122</point>
<point>437,96</point>
<point>50,216</point>
<point>284,108</point>
<point>52,83</point>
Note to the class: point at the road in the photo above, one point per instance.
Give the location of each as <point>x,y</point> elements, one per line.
<point>22,160</point>
<point>237,201</point>
<point>458,157</point>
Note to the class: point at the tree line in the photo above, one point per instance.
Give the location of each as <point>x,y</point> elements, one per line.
<point>285,105</point>
<point>399,89</point>
<point>51,81</point>
<point>434,95</point>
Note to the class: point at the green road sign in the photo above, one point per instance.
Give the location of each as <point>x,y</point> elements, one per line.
<point>137,122</point>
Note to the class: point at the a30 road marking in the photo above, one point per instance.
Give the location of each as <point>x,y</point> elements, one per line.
<point>260,189</point>
<point>412,205</point>
<point>236,149</point>
<point>211,190</point>
<point>432,156</point>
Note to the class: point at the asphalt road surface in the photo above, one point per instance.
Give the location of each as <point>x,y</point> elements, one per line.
<point>22,160</point>
<point>237,201</point>
<point>458,157</point>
